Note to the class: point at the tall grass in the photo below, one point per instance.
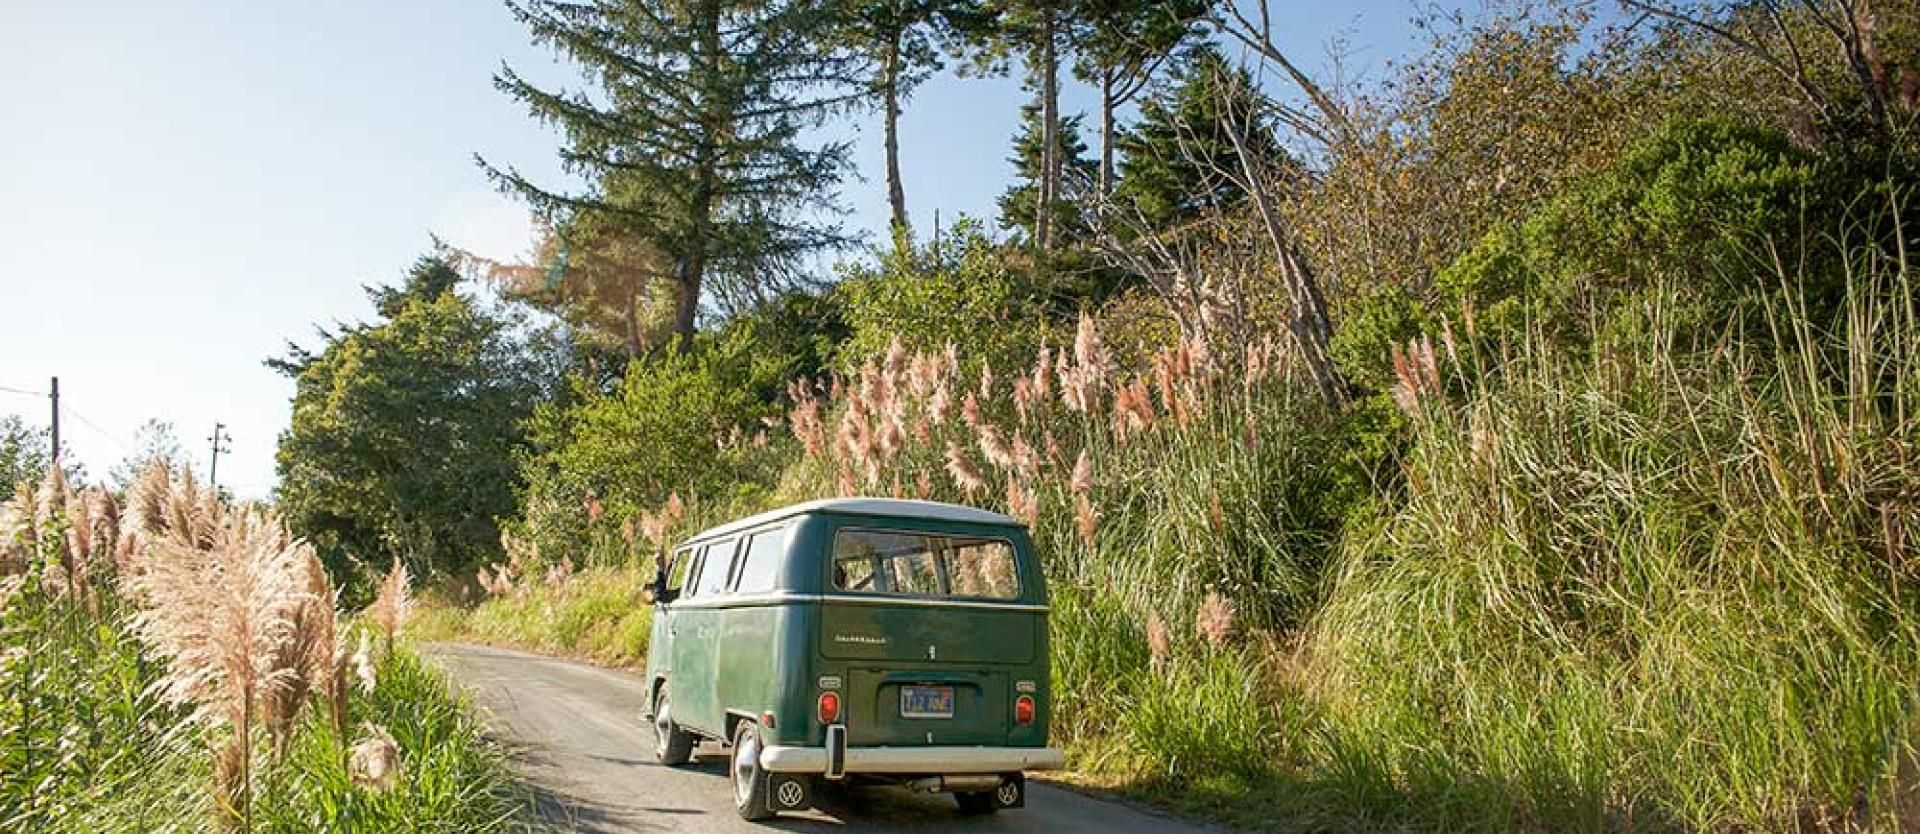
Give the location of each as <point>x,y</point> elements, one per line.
<point>1655,588</point>
<point>145,662</point>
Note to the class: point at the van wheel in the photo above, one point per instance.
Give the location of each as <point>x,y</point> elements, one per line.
<point>749,781</point>
<point>671,745</point>
<point>974,802</point>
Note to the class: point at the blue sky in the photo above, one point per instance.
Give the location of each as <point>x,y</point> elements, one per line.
<point>189,185</point>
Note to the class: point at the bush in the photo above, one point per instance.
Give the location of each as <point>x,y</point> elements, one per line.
<point>1695,205</point>
<point>685,422</point>
<point>961,289</point>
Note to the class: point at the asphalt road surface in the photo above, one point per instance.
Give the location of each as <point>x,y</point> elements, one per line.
<point>578,742</point>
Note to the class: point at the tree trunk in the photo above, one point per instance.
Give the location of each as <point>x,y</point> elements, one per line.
<point>1106,131</point>
<point>686,302</point>
<point>1049,128</point>
<point>690,268</point>
<point>1310,325</point>
<point>633,322</point>
<point>896,192</point>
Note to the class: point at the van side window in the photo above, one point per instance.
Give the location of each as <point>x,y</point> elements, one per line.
<point>677,573</point>
<point>924,564</point>
<point>716,562</point>
<point>760,567</point>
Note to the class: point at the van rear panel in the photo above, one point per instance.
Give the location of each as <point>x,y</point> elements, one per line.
<point>925,633</point>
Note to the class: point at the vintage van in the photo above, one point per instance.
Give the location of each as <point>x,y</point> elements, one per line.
<point>856,639</point>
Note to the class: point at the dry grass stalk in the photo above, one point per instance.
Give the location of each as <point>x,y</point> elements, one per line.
<point>375,761</point>
<point>1086,519</point>
<point>1216,620</point>
<point>993,447</point>
<point>1416,375</point>
<point>221,617</point>
<point>1082,481</point>
<point>393,603</point>
<point>963,472</point>
<point>1022,503</point>
<point>361,662</point>
<point>1159,645</point>
<point>308,658</point>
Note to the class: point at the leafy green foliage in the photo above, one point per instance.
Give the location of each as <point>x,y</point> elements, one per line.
<point>23,450</point>
<point>85,743</point>
<point>684,421</point>
<point>1020,204</point>
<point>403,429</point>
<point>1695,205</point>
<point>958,290</point>
<point>693,141</point>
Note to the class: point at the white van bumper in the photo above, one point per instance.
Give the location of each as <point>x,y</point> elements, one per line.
<point>916,759</point>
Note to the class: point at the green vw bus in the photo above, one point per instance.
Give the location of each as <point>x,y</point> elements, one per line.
<point>856,639</point>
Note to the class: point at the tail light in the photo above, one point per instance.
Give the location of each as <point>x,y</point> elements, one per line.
<point>1023,709</point>
<point>829,707</point>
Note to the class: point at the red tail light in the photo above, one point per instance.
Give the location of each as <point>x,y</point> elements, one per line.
<point>829,707</point>
<point>1023,709</point>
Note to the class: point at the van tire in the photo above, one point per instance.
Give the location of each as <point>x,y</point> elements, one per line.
<point>672,746</point>
<point>974,803</point>
<point>749,781</point>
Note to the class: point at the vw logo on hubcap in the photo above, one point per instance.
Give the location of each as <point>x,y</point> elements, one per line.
<point>790,794</point>
<point>1008,793</point>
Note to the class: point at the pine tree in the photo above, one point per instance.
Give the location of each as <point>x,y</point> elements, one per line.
<point>1178,160</point>
<point>1019,203</point>
<point>692,142</point>
<point>1121,45</point>
<point>901,42</point>
<point>1037,30</point>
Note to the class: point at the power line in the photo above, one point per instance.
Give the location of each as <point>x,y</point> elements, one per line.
<point>75,414</point>
<point>21,391</point>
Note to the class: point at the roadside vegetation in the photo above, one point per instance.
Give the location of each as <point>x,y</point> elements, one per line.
<point>1523,441</point>
<point>174,663</point>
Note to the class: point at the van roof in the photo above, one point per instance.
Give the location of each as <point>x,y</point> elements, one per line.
<point>898,507</point>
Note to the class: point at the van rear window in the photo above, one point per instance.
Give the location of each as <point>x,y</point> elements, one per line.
<point>924,564</point>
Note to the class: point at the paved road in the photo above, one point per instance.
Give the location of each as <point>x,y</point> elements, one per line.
<point>579,742</point>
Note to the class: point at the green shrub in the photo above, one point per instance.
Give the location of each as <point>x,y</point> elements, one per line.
<point>681,422</point>
<point>452,779</point>
<point>962,289</point>
<point>1695,205</point>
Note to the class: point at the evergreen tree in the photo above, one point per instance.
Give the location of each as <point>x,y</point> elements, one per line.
<point>1020,202</point>
<point>901,42</point>
<point>693,141</point>
<point>1178,160</point>
<point>1121,46</point>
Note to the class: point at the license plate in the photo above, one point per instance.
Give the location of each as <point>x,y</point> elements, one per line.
<point>926,702</point>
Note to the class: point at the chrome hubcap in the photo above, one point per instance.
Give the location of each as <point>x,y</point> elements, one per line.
<point>662,726</point>
<point>746,764</point>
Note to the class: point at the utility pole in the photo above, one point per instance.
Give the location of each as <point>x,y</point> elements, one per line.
<point>55,396</point>
<point>219,438</point>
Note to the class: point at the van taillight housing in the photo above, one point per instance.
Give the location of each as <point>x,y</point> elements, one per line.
<point>1023,709</point>
<point>829,707</point>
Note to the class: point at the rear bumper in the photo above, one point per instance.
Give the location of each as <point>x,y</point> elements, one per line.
<point>917,760</point>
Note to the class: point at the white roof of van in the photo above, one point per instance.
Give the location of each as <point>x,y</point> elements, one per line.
<point>900,507</point>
